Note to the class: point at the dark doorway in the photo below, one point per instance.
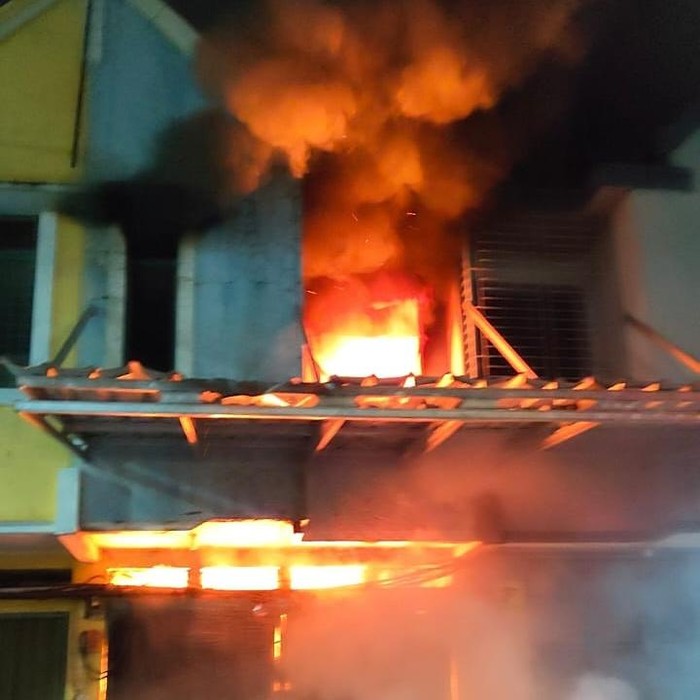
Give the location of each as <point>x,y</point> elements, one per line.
<point>182,649</point>
<point>17,270</point>
<point>33,658</point>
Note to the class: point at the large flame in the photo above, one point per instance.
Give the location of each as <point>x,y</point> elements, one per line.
<point>388,110</point>
<point>364,325</point>
<point>266,555</point>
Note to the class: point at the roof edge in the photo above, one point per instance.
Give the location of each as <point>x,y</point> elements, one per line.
<point>12,19</point>
<point>173,27</point>
<point>682,129</point>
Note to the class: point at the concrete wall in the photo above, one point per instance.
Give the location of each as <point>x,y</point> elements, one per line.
<point>139,83</point>
<point>610,482</point>
<point>29,463</point>
<point>240,288</point>
<point>67,301</point>
<point>40,66</point>
<point>657,236</point>
<point>246,294</point>
<point>166,482</point>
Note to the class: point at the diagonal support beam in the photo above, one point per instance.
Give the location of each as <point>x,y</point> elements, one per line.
<point>73,337</point>
<point>685,358</point>
<point>509,353</point>
<point>441,433</point>
<point>189,429</point>
<point>566,432</point>
<point>329,429</point>
<point>77,447</point>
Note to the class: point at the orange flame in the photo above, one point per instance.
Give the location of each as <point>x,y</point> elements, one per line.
<point>240,578</point>
<point>309,578</point>
<point>267,555</point>
<point>365,325</point>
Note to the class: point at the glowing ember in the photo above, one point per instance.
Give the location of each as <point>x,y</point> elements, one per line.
<point>245,533</point>
<point>278,636</point>
<point>240,578</point>
<point>153,576</point>
<point>366,325</point>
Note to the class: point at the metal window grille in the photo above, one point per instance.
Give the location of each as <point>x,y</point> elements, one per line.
<point>530,275</point>
<point>545,324</point>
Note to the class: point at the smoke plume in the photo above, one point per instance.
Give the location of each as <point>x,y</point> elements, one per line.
<point>384,104</point>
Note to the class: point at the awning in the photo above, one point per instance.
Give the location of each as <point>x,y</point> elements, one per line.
<point>74,405</point>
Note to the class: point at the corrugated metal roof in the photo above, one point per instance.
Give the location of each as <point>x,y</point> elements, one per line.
<point>92,400</point>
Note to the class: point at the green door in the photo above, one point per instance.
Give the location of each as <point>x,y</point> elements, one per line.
<point>33,650</point>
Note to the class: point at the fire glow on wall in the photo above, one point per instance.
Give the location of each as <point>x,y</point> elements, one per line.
<point>268,555</point>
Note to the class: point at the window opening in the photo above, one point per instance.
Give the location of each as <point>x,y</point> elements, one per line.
<point>18,241</point>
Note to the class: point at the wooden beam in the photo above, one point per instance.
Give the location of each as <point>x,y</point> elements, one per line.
<point>189,429</point>
<point>329,429</point>
<point>566,432</point>
<point>77,446</point>
<point>441,433</point>
<point>682,409</point>
<point>80,547</point>
<point>685,358</point>
<point>509,353</point>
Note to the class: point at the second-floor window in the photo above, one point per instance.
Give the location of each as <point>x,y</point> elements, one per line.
<point>537,277</point>
<point>18,243</point>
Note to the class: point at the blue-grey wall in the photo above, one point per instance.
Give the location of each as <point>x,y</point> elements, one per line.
<point>247,290</point>
<point>142,482</point>
<point>247,279</point>
<point>140,84</point>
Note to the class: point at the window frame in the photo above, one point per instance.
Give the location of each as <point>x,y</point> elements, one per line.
<point>36,201</point>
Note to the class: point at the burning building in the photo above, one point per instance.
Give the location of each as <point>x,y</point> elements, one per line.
<point>302,409</point>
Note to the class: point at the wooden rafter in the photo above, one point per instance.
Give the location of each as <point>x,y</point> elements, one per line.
<point>329,429</point>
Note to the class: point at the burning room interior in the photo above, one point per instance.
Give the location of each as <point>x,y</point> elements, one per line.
<point>380,382</point>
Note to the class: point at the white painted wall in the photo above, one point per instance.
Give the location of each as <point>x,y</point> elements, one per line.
<point>657,245</point>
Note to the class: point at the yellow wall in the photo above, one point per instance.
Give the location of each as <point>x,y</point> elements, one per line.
<point>29,458</point>
<point>81,672</point>
<point>40,67</point>
<point>56,558</point>
<point>40,73</point>
<point>29,461</point>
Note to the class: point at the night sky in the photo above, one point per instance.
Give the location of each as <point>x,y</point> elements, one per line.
<point>638,91</point>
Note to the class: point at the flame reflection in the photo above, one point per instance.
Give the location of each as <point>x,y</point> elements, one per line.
<point>152,576</point>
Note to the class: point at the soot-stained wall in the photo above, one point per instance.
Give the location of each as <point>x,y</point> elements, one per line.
<point>166,482</point>
<point>245,290</point>
<point>610,482</point>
